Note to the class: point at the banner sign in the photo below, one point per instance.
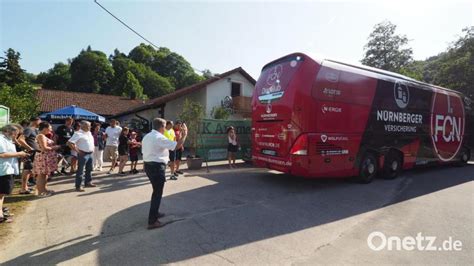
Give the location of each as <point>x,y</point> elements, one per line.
<point>4,115</point>
<point>213,141</point>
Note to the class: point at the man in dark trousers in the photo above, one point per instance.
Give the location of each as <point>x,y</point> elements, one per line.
<point>155,149</point>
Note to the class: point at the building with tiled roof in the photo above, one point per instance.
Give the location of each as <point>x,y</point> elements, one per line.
<point>105,105</point>
<point>236,83</point>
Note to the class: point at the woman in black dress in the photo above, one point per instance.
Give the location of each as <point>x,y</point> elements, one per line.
<point>123,149</point>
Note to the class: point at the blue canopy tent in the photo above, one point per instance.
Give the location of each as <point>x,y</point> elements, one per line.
<point>74,112</point>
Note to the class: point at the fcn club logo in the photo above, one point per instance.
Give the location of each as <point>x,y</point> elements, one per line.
<point>447,124</point>
<point>401,94</point>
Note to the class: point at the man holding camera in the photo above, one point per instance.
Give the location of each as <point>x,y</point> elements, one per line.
<point>155,149</point>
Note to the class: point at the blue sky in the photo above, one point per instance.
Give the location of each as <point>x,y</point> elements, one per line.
<point>221,35</point>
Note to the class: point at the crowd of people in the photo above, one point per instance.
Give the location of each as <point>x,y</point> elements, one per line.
<point>83,147</point>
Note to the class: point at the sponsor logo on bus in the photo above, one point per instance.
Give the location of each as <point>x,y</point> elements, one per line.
<point>447,125</point>
<point>401,94</point>
<point>268,116</point>
<point>331,92</point>
<point>400,117</point>
<point>269,108</point>
<point>324,138</point>
<point>330,109</point>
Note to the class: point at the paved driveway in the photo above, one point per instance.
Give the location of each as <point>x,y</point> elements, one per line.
<point>247,216</point>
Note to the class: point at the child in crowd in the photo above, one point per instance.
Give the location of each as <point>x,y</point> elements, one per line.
<point>134,147</point>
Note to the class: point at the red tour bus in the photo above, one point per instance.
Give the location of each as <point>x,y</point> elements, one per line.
<point>322,118</point>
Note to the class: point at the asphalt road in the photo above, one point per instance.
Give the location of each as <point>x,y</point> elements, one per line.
<point>250,216</point>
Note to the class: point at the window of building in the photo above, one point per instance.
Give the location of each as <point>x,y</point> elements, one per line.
<point>236,89</point>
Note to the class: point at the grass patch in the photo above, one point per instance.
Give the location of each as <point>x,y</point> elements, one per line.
<point>17,204</point>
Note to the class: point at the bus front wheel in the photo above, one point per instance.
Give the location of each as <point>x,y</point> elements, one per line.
<point>368,168</point>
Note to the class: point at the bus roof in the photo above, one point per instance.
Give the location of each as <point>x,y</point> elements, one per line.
<point>391,74</point>
<point>365,68</point>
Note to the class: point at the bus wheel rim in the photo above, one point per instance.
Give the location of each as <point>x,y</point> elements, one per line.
<point>394,166</point>
<point>370,167</point>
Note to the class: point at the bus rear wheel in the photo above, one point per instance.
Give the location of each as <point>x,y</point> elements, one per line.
<point>392,166</point>
<point>464,157</point>
<point>368,169</point>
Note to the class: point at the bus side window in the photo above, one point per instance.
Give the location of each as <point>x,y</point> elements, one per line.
<point>356,89</point>
<point>325,87</point>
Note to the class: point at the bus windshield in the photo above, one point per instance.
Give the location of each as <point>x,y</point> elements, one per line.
<point>275,78</point>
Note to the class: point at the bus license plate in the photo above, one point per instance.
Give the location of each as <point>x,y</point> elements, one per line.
<point>269,152</point>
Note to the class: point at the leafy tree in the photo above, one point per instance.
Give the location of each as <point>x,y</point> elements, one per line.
<point>452,69</point>
<point>15,90</point>
<point>176,69</point>
<point>219,112</point>
<point>192,114</point>
<point>30,77</point>
<point>131,87</point>
<point>116,54</point>
<point>10,71</point>
<point>413,70</point>
<point>121,66</point>
<point>207,74</point>
<point>57,78</point>
<point>387,50</point>
<point>143,54</point>
<point>21,99</point>
<point>91,72</point>
<point>155,85</point>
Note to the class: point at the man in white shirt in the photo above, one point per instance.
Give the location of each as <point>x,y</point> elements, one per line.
<point>83,143</point>
<point>155,149</point>
<point>8,164</point>
<point>112,135</point>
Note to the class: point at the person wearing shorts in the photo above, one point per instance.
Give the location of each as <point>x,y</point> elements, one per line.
<point>169,134</point>
<point>112,135</point>
<point>178,153</point>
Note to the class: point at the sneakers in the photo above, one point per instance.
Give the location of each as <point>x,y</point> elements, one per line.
<point>110,172</point>
<point>173,177</point>
<point>90,185</point>
<point>79,189</point>
<point>179,172</point>
<point>122,173</point>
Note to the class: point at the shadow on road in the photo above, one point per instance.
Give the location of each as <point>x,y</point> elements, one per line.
<point>243,209</point>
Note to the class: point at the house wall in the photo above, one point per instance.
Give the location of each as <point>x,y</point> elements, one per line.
<point>217,91</point>
<point>209,97</point>
<point>174,107</point>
